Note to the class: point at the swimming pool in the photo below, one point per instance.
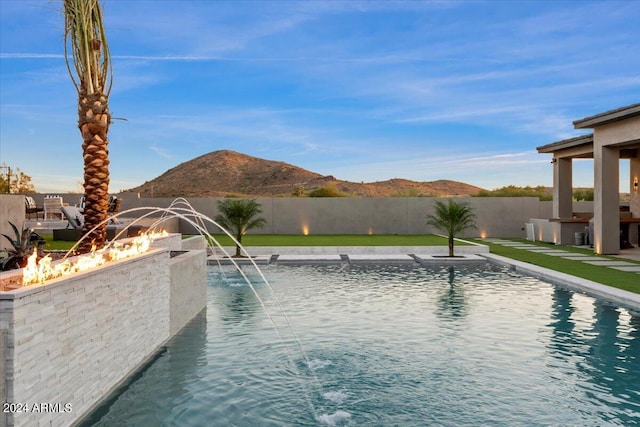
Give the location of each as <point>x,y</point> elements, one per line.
<point>392,346</point>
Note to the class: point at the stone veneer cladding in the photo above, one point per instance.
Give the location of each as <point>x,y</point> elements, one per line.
<point>188,292</point>
<point>74,339</point>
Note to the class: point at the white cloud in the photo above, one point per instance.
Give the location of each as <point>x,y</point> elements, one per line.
<point>160,152</point>
<point>17,55</point>
<point>360,89</point>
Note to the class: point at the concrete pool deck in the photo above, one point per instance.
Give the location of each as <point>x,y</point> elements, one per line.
<point>263,255</point>
<point>620,263</point>
<point>345,259</point>
<point>620,296</point>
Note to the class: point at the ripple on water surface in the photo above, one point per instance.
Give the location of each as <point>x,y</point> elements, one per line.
<point>392,345</point>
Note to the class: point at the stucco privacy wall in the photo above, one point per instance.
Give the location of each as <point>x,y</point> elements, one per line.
<point>12,210</point>
<point>496,216</point>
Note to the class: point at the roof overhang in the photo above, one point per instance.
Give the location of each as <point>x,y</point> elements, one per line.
<point>579,143</point>
<point>608,117</point>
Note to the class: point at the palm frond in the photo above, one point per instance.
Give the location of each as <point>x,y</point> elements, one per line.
<point>85,37</point>
<point>238,215</point>
<point>452,218</point>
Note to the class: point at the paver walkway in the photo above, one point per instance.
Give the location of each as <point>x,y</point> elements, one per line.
<point>587,259</point>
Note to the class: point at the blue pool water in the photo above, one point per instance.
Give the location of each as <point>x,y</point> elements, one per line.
<point>392,346</point>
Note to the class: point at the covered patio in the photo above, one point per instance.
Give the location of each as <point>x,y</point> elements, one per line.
<point>616,135</point>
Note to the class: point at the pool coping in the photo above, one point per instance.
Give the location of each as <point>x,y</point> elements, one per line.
<point>470,248</point>
<point>619,296</point>
<point>335,256</point>
<point>346,258</point>
<point>471,252</point>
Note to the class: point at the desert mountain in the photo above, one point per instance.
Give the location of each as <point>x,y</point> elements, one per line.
<point>223,173</point>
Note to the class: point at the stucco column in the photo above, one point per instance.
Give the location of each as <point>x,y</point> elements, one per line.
<point>634,197</point>
<point>562,187</point>
<point>606,199</point>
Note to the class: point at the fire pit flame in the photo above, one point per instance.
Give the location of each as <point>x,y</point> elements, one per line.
<point>40,271</point>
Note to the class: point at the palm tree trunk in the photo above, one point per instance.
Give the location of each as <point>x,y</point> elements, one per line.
<point>239,239</point>
<point>451,246</point>
<point>94,120</point>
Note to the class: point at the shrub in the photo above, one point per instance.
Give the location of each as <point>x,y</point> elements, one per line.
<point>298,191</point>
<point>585,194</point>
<point>329,190</point>
<point>514,191</point>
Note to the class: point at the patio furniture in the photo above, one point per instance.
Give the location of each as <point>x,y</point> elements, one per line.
<point>31,207</point>
<point>114,208</point>
<point>52,206</point>
<point>75,225</point>
<point>74,216</point>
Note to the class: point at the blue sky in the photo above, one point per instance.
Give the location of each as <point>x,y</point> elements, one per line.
<point>364,91</point>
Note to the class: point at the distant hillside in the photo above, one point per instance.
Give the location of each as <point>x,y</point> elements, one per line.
<point>225,172</point>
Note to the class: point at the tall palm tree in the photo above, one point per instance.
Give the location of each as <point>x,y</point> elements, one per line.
<point>238,217</point>
<point>85,38</point>
<point>452,219</point>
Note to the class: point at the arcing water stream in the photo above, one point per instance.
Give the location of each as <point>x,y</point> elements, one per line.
<point>43,270</point>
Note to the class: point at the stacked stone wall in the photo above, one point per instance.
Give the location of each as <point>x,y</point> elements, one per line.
<point>70,342</point>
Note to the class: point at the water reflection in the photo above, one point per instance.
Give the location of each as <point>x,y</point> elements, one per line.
<point>452,303</point>
<point>240,304</point>
<point>606,352</point>
<point>562,323</point>
<point>236,301</point>
<point>529,367</point>
<point>169,374</point>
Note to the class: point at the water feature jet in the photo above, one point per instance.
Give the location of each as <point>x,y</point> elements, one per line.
<point>96,327</point>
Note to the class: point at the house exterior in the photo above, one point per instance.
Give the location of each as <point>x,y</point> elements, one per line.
<point>615,136</point>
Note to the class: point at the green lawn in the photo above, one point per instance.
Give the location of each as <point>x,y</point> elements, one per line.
<point>311,240</point>
<point>607,276</point>
<point>337,240</point>
<point>57,245</point>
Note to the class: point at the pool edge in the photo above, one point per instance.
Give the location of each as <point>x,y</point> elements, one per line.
<point>619,296</point>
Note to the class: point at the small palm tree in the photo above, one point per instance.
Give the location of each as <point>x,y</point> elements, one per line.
<point>238,217</point>
<point>452,218</point>
<point>85,37</point>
